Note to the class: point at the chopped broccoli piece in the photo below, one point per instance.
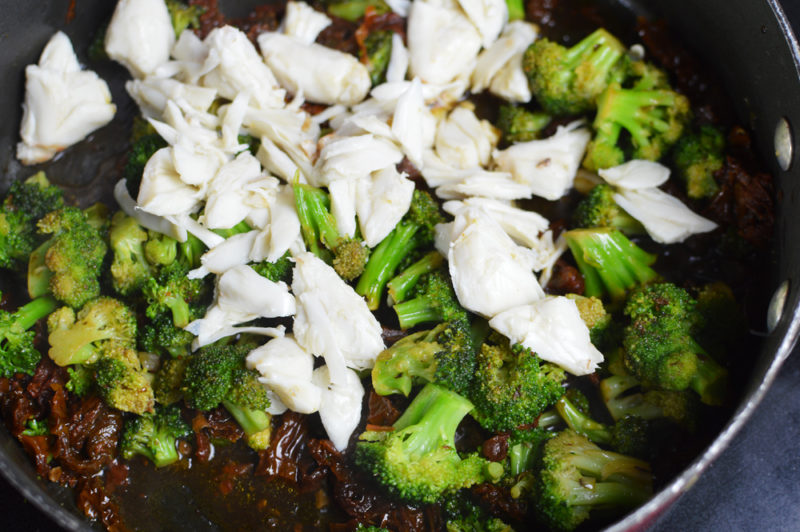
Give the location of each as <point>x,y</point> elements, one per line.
<point>623,398</point>
<point>578,477</point>
<point>418,461</point>
<point>18,353</point>
<point>155,435</point>
<point>415,230</point>
<point>159,335</point>
<point>660,349</point>
<point>401,285</point>
<point>444,355</point>
<point>609,262</point>
<point>217,374</point>
<point>171,291</point>
<point>129,268</point>
<point>69,263</point>
<point>83,338</point>
<point>568,81</point>
<point>121,380</point>
<point>599,209</point>
<point>600,323</point>
<point>160,250</point>
<point>525,448</point>
<point>512,386</point>
<point>319,227</point>
<point>354,10</point>
<point>184,16</point>
<point>140,152</point>
<point>81,379</point>
<point>432,300</point>
<point>655,120</point>
<point>168,380</point>
<point>36,427</point>
<point>517,124</point>
<point>697,156</point>
<point>280,270</point>
<point>375,54</point>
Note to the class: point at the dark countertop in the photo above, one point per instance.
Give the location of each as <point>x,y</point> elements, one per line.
<point>752,486</point>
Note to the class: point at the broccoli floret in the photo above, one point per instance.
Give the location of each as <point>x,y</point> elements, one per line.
<point>141,151</point>
<point>624,397</point>
<point>655,120</point>
<point>81,379</point>
<point>184,16</point>
<point>525,449</point>
<point>444,355</point>
<point>155,435</point>
<point>512,386</point>
<point>319,227</point>
<point>171,291</point>
<point>602,330</point>
<point>83,338</point>
<point>217,374</point>
<point>69,263</point>
<point>160,336</point>
<point>160,250</point>
<point>190,251</point>
<point>401,285</point>
<point>121,380</point>
<point>518,124</point>
<point>432,300</point>
<point>35,427</point>
<point>598,209</point>
<point>280,270</point>
<point>18,353</point>
<point>353,10</point>
<point>660,349</point>
<point>414,231</point>
<point>609,262</point>
<point>375,55</point>
<point>168,380</point>
<point>129,268</point>
<point>418,461</point>
<point>568,81</point>
<point>697,156</point>
<point>578,477</point>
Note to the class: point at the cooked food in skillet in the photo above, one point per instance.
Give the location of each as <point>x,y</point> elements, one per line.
<point>403,265</point>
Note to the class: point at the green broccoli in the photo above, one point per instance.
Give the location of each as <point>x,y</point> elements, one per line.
<point>171,291</point>
<point>155,435</point>
<point>432,300</point>
<point>444,355</point>
<point>217,374</point>
<point>238,229</point>
<point>568,81</point>
<point>280,270</point>
<point>655,120</point>
<point>354,10</point>
<point>319,227</point>
<point>184,16</point>
<point>723,318</point>
<point>122,382</point>
<point>36,427</point>
<point>375,54</point>
<point>159,335</point>
<point>160,250</point>
<point>599,209</point>
<point>578,477</point>
<point>659,346</point>
<point>403,283</point>
<point>68,264</point>
<point>168,380</point>
<point>469,517</point>
<point>623,397</point>
<point>415,230</point>
<point>516,10</point>
<point>697,156</point>
<point>417,460</point>
<point>518,124</point>
<point>609,262</point>
<point>129,268</point>
<point>141,151</point>
<point>26,202</point>
<point>602,329</point>
<point>512,386</point>
<point>81,379</point>
<point>83,338</point>
<point>525,448</point>
<point>18,353</point>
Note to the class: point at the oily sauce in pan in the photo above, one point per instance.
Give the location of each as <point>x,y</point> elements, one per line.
<point>301,482</point>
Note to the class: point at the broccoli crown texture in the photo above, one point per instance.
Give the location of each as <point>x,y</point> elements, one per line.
<point>444,355</point>
<point>168,379</point>
<point>129,267</point>
<point>154,435</point>
<point>518,124</point>
<point>697,156</point>
<point>609,262</point>
<point>417,460</point>
<point>578,477</point>
<point>568,81</point>
<point>660,349</point>
<point>599,209</point>
<point>18,353</point>
<point>280,270</point>
<point>171,291</point>
<point>512,386</point>
<point>433,299</point>
<point>160,336</point>
<point>121,380</point>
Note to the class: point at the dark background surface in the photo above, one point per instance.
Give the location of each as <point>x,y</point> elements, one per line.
<point>754,485</point>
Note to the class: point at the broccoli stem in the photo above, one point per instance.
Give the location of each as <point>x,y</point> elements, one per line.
<point>581,423</point>
<point>516,10</point>
<point>163,450</point>
<point>403,283</point>
<point>710,381</point>
<point>28,314</point>
<point>520,458</point>
<point>384,261</point>
<point>613,494</point>
<point>38,273</point>
<point>181,313</point>
<point>415,311</point>
<point>241,227</point>
<point>634,111</point>
<point>251,421</point>
<point>441,410</point>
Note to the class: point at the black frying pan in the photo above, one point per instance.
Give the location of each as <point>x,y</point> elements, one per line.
<point>754,52</point>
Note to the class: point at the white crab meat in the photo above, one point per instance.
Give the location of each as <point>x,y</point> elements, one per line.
<point>499,67</point>
<point>287,370</point>
<point>63,104</point>
<point>381,202</point>
<point>488,16</point>
<point>340,405</point>
<point>463,140</point>
<point>140,35</point>
<point>303,22</point>
<point>665,218</point>
<point>162,192</point>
